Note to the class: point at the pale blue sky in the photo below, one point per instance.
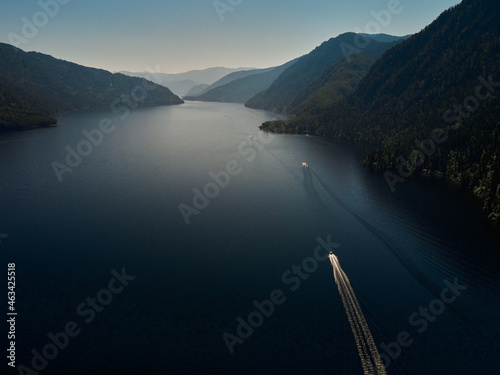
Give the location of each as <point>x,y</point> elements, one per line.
<point>180,35</point>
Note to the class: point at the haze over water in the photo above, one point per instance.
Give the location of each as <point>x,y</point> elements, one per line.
<point>119,208</point>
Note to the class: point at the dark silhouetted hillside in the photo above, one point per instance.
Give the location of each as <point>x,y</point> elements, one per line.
<point>35,86</point>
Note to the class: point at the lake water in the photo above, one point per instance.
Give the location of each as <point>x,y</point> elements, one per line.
<point>119,207</point>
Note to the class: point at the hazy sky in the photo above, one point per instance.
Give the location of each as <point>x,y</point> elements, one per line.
<point>181,35</point>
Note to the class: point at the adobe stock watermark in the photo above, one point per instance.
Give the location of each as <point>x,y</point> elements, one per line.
<point>31,27</point>
<point>421,319</point>
<point>220,180</point>
<point>293,278</point>
<point>92,138</point>
<point>381,20</point>
<point>427,147</point>
<point>88,311</point>
<point>223,6</point>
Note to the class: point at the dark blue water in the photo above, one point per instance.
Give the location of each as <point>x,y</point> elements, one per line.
<point>120,208</point>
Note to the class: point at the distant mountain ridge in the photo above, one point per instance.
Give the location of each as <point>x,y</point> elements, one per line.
<point>197,90</point>
<point>34,86</point>
<point>235,76</point>
<point>179,88</point>
<point>239,87</point>
<point>181,83</point>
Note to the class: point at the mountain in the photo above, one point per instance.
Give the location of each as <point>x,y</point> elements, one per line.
<point>180,88</point>
<point>208,76</point>
<point>242,86</point>
<point>18,109</point>
<point>235,76</point>
<point>432,102</point>
<point>385,38</point>
<point>335,83</point>
<point>197,90</point>
<point>294,80</point>
<point>181,83</point>
<point>33,85</point>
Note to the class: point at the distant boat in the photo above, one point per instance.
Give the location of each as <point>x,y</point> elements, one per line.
<point>250,137</point>
<point>304,165</point>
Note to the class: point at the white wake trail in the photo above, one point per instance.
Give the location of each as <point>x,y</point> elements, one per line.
<point>368,353</point>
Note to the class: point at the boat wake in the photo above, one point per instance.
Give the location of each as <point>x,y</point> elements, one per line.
<point>370,358</point>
